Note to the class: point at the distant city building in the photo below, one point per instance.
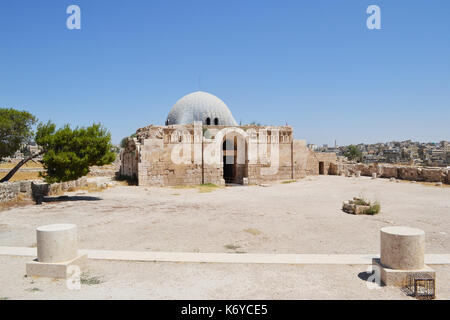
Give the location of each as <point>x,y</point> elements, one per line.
<point>401,152</point>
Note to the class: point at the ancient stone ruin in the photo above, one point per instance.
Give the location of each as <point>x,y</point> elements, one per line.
<point>360,206</point>
<point>201,143</point>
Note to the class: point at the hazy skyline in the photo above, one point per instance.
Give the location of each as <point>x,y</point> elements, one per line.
<point>313,65</point>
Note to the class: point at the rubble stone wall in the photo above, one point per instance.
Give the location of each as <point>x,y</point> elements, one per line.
<point>11,191</point>
<point>399,172</point>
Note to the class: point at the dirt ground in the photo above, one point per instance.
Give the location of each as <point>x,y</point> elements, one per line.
<point>299,217</point>
<point>144,280</point>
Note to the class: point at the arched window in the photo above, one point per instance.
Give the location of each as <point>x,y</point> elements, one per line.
<point>216,121</point>
<point>208,121</point>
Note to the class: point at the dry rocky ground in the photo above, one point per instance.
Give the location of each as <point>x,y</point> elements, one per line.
<point>298,217</point>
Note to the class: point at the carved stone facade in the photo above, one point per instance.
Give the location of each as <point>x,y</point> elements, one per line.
<point>196,154</point>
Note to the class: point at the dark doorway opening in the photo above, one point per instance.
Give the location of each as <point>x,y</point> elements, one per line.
<point>321,167</point>
<point>228,161</point>
<point>235,166</point>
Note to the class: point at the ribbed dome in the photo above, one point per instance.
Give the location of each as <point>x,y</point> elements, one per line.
<point>200,106</point>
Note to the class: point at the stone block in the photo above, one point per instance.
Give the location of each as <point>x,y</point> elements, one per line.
<point>56,252</point>
<point>398,278</point>
<point>39,189</point>
<point>57,270</point>
<point>432,175</point>
<point>56,242</point>
<point>388,171</point>
<point>402,248</point>
<point>25,187</point>
<point>354,208</point>
<point>408,173</point>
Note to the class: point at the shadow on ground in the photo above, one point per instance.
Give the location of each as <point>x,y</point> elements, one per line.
<point>364,275</point>
<point>70,198</point>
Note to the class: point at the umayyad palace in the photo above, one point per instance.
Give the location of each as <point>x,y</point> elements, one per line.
<point>202,143</point>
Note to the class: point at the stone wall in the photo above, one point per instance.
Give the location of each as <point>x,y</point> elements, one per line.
<point>149,156</point>
<point>9,191</point>
<point>304,160</point>
<point>265,169</point>
<point>307,162</point>
<point>399,172</point>
<point>327,160</point>
<point>12,191</point>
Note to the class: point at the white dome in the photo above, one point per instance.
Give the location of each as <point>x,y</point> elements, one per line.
<point>200,106</point>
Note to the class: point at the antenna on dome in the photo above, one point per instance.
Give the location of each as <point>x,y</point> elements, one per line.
<point>199,82</point>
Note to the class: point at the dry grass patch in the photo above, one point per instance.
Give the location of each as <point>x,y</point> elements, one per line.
<point>288,181</point>
<point>20,201</point>
<point>22,175</point>
<point>252,231</point>
<point>207,187</point>
<point>123,183</point>
<point>202,188</point>
<point>29,164</point>
<point>231,246</point>
<point>89,280</point>
<point>184,187</point>
<point>93,187</point>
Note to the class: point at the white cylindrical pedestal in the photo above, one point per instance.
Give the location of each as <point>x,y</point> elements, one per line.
<point>56,243</point>
<point>402,248</point>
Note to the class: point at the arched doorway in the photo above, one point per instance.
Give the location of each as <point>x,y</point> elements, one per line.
<point>235,164</point>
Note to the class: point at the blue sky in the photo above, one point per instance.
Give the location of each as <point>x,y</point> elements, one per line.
<point>311,64</point>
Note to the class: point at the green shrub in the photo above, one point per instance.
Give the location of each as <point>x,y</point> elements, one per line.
<point>374,209</point>
<point>361,202</point>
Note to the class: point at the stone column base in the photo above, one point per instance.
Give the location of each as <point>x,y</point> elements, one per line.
<point>398,278</point>
<point>58,270</point>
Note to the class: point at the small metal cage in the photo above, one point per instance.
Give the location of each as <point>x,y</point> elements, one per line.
<point>421,286</point>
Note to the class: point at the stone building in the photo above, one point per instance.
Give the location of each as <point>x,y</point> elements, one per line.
<point>202,143</point>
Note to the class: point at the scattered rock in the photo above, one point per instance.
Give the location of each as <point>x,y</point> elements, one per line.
<point>360,206</point>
